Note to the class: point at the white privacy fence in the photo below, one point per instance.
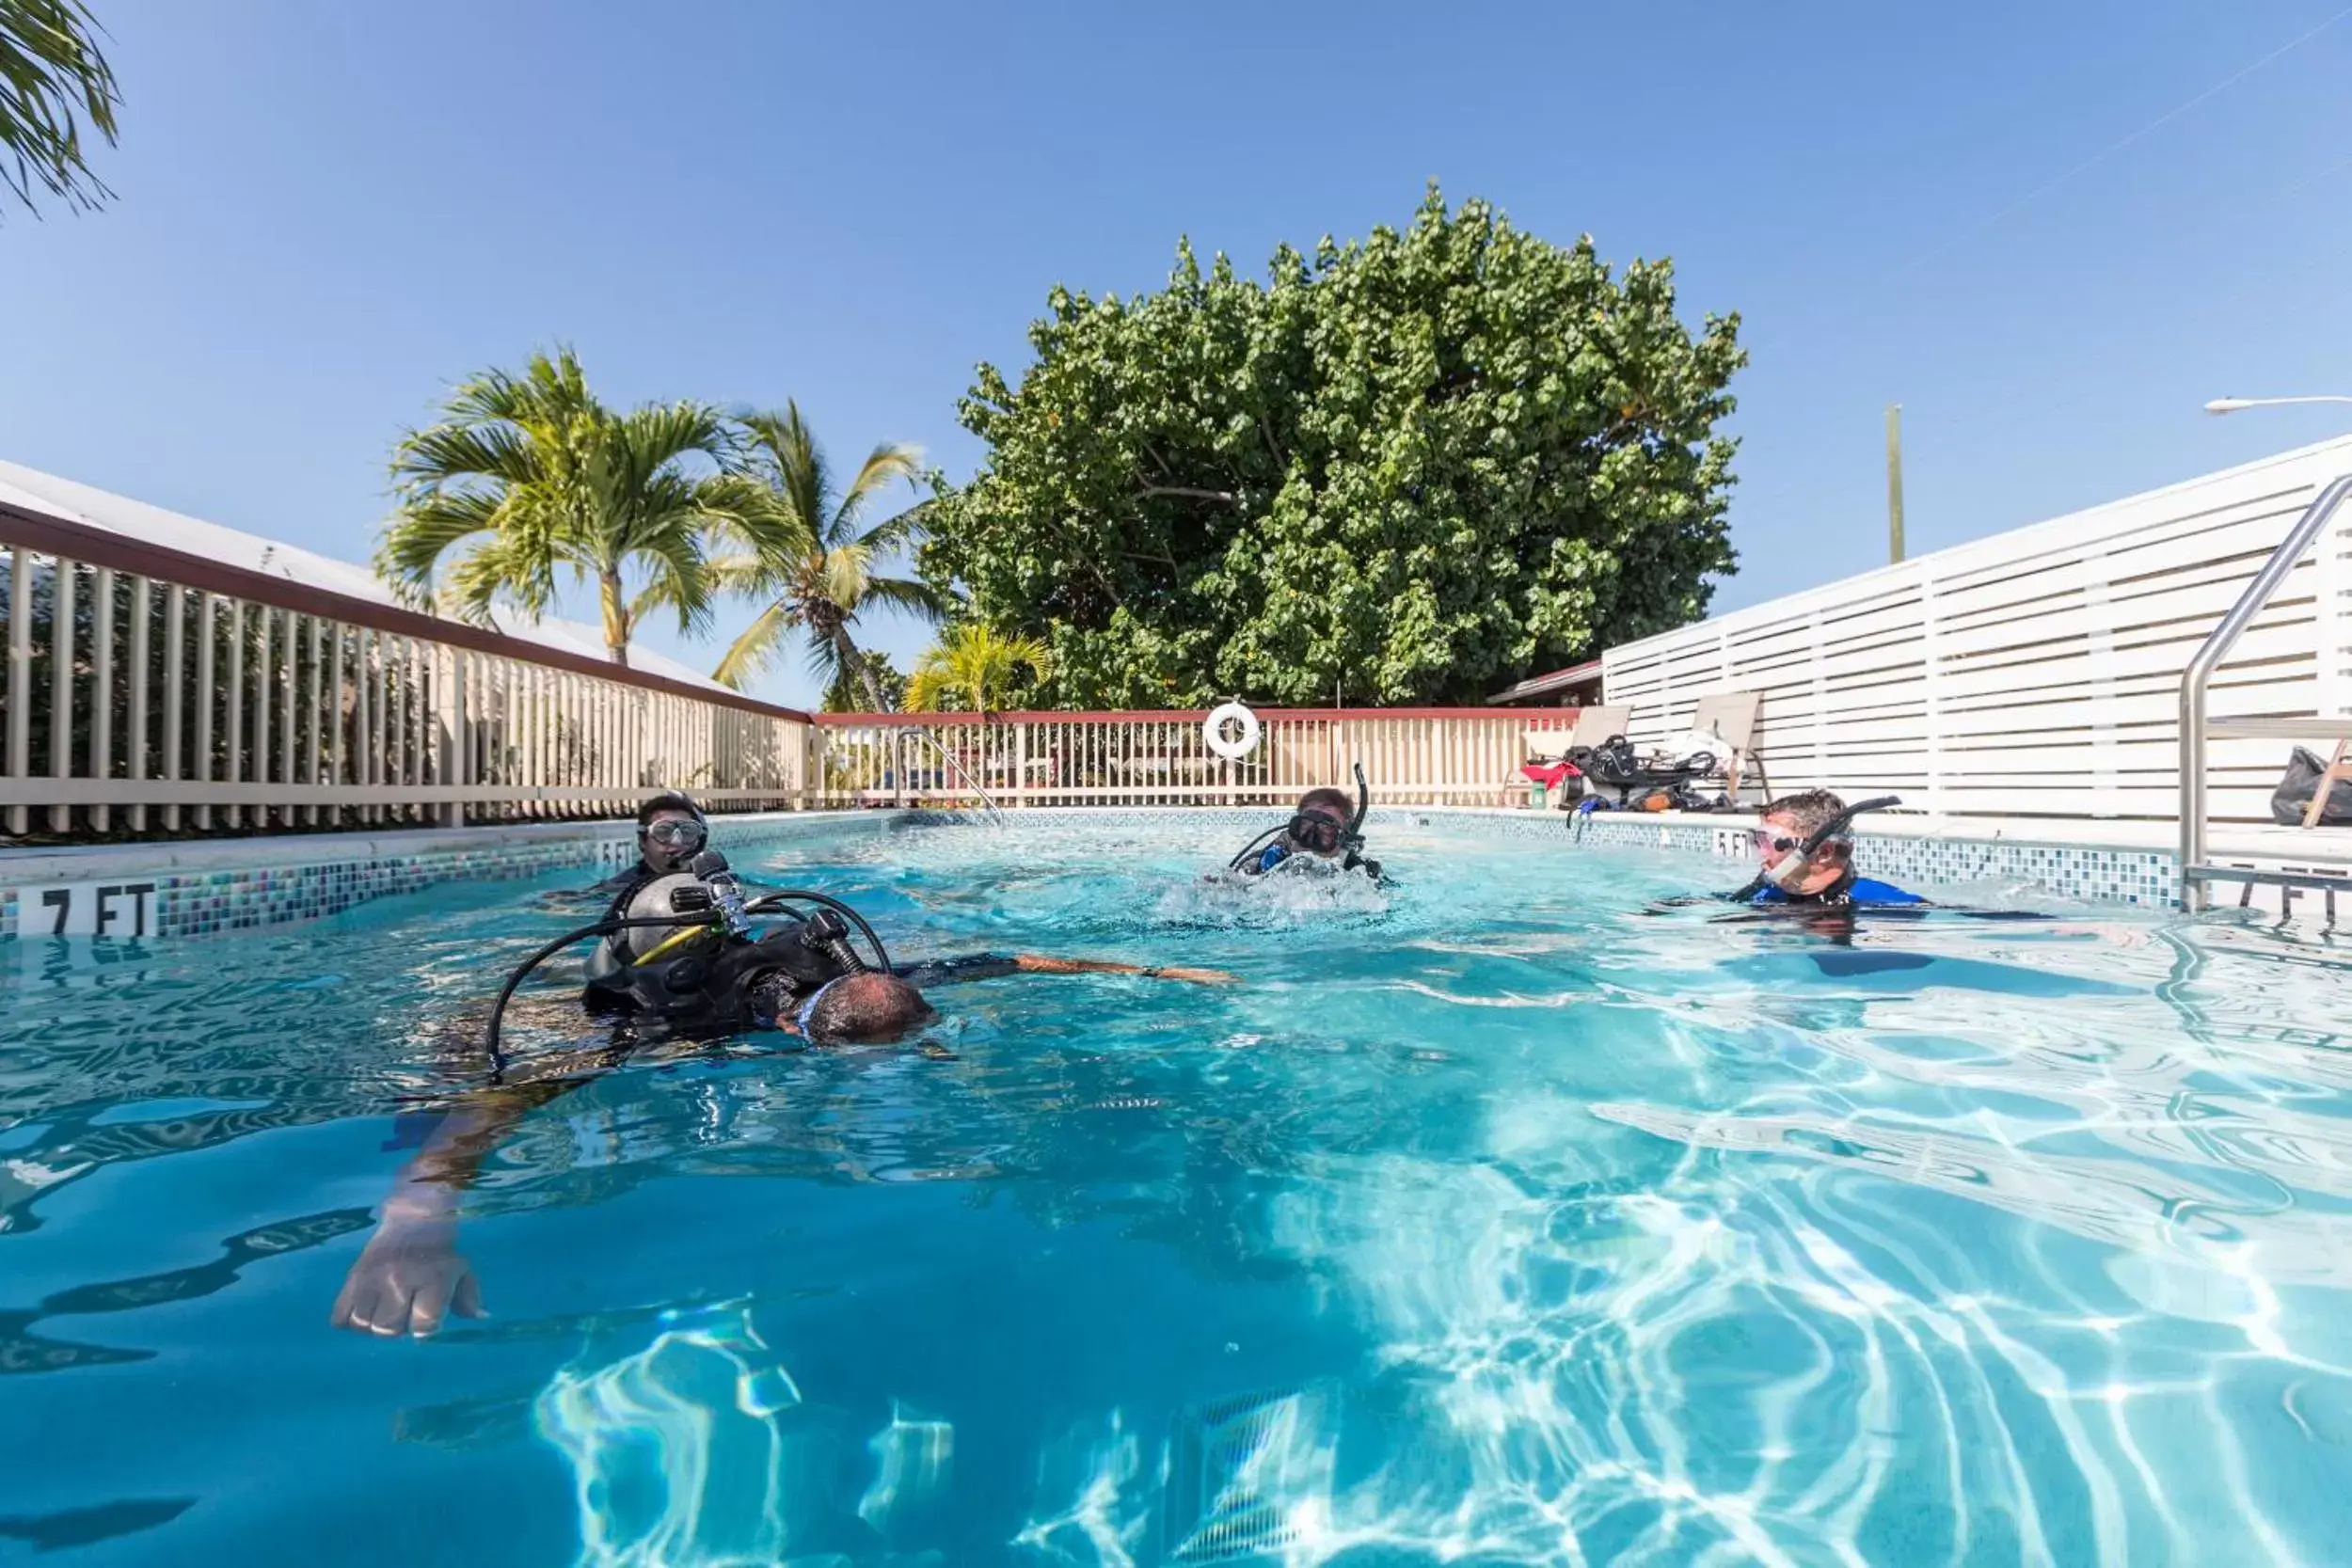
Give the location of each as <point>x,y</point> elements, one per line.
<point>2035,673</point>
<point>1425,756</point>
<point>151,690</point>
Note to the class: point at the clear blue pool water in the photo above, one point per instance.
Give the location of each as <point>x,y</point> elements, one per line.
<point>1490,1221</point>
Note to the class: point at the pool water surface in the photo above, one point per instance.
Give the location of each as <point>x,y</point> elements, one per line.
<point>1499,1216</point>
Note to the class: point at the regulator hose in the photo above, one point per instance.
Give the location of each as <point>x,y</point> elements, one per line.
<point>600,928</point>
<point>773,903</point>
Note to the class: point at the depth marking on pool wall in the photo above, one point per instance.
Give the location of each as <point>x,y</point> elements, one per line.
<point>123,909</point>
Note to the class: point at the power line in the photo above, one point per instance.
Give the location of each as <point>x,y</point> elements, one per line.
<point>2104,154</point>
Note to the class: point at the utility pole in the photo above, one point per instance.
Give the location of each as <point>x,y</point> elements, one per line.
<point>1893,481</point>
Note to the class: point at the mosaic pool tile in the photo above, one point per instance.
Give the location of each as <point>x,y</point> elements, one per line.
<point>203,902</point>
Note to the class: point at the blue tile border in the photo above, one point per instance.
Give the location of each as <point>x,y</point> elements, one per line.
<point>2103,874</point>
<point>204,900</point>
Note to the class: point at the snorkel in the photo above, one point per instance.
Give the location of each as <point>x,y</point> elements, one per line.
<point>1353,839</point>
<point>721,910</point>
<point>1795,867</point>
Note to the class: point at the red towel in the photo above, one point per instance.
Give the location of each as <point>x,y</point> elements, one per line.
<point>1549,773</point>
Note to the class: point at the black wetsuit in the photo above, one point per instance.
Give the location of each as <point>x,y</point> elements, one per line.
<point>743,985</point>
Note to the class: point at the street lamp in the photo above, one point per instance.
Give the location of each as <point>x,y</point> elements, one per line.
<point>2230,405</point>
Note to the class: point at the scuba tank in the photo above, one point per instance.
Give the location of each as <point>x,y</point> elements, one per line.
<point>683,947</point>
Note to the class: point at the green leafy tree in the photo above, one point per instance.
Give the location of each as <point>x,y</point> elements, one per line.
<point>970,665</point>
<point>51,76</point>
<point>1409,470</point>
<point>809,552</point>
<point>538,479</point>
<point>849,693</point>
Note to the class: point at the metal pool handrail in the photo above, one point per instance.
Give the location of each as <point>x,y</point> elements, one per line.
<point>2216,647</point>
<point>995,815</point>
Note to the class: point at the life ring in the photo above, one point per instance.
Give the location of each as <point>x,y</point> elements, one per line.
<point>1212,731</point>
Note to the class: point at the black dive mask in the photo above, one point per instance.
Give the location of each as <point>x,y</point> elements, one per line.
<point>1311,830</point>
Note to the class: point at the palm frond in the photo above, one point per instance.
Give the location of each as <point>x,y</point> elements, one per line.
<point>917,598</point>
<point>897,531</point>
<point>751,655</point>
<point>892,460</point>
<point>52,76</point>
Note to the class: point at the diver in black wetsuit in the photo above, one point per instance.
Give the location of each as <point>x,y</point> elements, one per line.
<point>1325,833</point>
<point>676,950</point>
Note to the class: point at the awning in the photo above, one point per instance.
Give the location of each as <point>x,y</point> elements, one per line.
<point>1559,680</point>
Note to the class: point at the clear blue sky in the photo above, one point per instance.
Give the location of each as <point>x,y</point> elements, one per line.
<point>327,212</point>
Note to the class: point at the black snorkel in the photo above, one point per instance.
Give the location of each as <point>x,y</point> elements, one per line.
<point>1353,839</point>
<point>727,914</point>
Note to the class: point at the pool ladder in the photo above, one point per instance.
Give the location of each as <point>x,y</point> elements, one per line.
<point>2196,868</point>
<point>996,813</point>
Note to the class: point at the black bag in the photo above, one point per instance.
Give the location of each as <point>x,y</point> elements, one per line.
<point>2293,797</point>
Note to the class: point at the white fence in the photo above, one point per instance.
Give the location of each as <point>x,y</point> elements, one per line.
<point>148,690</point>
<point>1421,756</point>
<point>2035,673</point>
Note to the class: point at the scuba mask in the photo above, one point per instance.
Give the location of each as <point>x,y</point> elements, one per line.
<point>676,837</point>
<point>1796,865</point>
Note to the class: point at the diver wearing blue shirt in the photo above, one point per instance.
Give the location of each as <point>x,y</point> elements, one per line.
<point>1807,852</point>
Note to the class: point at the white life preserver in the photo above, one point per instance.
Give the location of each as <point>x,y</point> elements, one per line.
<point>1212,731</point>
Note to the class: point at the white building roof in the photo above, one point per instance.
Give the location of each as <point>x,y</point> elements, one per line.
<point>35,491</point>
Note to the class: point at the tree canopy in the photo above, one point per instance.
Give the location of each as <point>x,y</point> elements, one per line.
<point>1408,470</point>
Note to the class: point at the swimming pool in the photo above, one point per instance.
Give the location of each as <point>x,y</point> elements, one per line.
<point>1492,1220</point>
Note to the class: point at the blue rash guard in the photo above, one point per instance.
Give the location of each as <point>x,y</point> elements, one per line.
<point>1860,892</point>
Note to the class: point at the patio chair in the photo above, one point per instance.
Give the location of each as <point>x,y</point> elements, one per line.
<point>1731,717</point>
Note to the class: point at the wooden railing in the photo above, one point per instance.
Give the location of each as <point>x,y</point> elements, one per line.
<point>150,691</point>
<point>1421,756</point>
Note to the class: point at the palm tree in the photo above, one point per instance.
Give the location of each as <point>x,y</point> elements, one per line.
<point>50,74</point>
<point>543,477</point>
<point>970,663</point>
<point>808,554</point>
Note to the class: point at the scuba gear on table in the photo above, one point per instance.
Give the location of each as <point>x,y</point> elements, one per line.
<point>1314,832</point>
<point>703,969</point>
<point>1615,765</point>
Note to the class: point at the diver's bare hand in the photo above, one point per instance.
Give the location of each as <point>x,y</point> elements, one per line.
<point>408,1277</point>
<point>1198,977</point>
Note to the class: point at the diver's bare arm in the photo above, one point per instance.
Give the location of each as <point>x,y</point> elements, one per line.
<point>1038,963</point>
<point>410,1276</point>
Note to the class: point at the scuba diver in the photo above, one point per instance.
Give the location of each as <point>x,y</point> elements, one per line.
<point>1321,835</point>
<point>1807,857</point>
<point>676,948</point>
<point>677,951</point>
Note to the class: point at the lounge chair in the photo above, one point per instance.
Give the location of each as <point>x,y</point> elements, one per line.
<point>1731,717</point>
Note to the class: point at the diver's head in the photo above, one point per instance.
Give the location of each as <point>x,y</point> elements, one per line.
<point>1319,827</point>
<point>865,1010</point>
<point>1780,835</point>
<point>670,831</point>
